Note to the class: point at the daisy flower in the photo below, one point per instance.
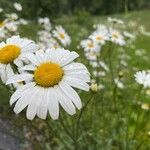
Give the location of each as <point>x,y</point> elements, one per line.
<point>90,45</point>
<point>52,74</point>
<point>143,78</point>
<point>128,35</point>
<point>12,52</point>
<point>99,36</point>
<point>18,6</point>
<point>61,35</point>
<point>116,37</point>
<point>1,10</point>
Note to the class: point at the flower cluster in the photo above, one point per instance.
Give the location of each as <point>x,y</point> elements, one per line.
<point>46,77</point>
<point>52,38</point>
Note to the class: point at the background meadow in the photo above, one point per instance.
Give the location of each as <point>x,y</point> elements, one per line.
<point>116,116</point>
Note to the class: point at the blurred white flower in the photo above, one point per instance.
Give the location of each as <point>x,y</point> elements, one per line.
<point>45,22</point>
<point>61,35</point>
<point>1,10</point>
<point>116,37</point>
<point>11,26</point>
<point>145,106</point>
<point>99,36</point>
<point>12,16</point>
<point>18,6</point>
<point>143,78</point>
<point>119,84</point>
<point>89,45</point>
<point>129,35</point>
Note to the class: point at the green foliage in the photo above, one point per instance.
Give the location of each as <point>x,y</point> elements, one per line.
<point>35,8</point>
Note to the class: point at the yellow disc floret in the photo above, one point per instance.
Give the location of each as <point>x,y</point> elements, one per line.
<point>62,36</point>
<point>9,53</point>
<point>2,24</point>
<point>48,74</point>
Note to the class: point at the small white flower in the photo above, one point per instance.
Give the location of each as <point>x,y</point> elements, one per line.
<point>143,78</point>
<point>119,84</point>
<point>99,36</point>
<point>128,35</point>
<point>116,37</point>
<point>11,26</point>
<point>18,6</point>
<point>52,75</point>
<point>61,35</point>
<point>1,10</point>
<point>12,16</point>
<point>45,22</point>
<point>90,45</point>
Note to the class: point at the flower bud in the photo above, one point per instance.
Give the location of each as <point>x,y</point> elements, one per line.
<point>94,87</point>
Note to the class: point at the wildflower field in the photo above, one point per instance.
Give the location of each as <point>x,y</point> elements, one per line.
<point>76,82</point>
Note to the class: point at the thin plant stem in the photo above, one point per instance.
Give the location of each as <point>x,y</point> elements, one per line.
<point>54,133</point>
<point>81,113</point>
<point>126,7</point>
<point>110,62</point>
<point>115,97</point>
<point>136,99</point>
<point>65,128</point>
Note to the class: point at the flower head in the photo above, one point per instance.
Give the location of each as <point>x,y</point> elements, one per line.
<point>116,37</point>
<point>143,78</point>
<point>61,35</point>
<point>90,46</point>
<point>13,52</point>
<point>52,74</point>
<point>18,6</point>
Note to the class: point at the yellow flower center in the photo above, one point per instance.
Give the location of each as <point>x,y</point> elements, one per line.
<point>115,35</point>
<point>9,53</point>
<point>90,45</point>
<point>48,74</point>
<point>62,35</point>
<point>98,38</point>
<point>2,24</point>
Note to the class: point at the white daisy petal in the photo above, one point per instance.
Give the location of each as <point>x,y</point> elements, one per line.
<point>77,83</point>
<point>42,109</point>
<point>31,57</point>
<point>53,105</point>
<point>65,102</point>
<point>19,78</point>
<point>32,107</point>
<point>19,92</point>
<point>29,67</point>
<point>71,93</point>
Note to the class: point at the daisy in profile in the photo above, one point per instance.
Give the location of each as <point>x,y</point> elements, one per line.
<point>12,52</point>
<point>143,78</point>
<point>61,35</point>
<point>116,37</point>
<point>90,45</point>
<point>52,74</point>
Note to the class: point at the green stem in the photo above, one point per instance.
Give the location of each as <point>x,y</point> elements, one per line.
<point>65,128</point>
<point>110,62</point>
<point>80,115</point>
<point>115,97</point>
<point>126,7</point>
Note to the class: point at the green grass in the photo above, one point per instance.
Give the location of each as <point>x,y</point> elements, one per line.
<point>101,127</point>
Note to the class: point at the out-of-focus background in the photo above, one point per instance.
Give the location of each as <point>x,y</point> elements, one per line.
<point>56,8</point>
